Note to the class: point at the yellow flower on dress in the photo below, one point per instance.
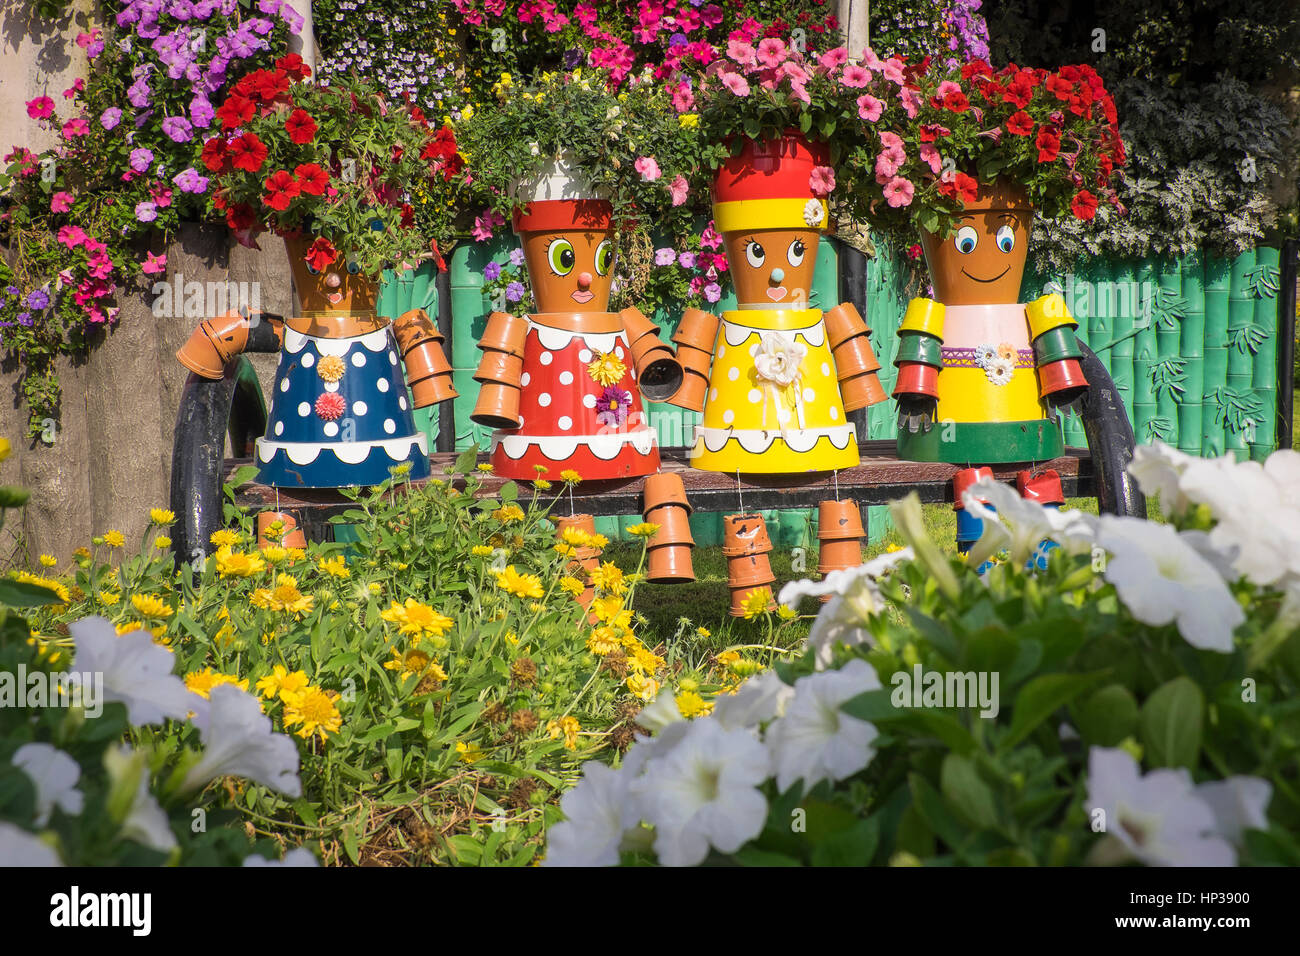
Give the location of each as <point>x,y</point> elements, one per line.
<point>758,603</point>
<point>643,530</point>
<point>606,369</point>
<point>609,578</point>
<point>520,585</point>
<point>49,560</point>
<point>315,709</point>
<point>330,368</point>
<point>281,681</point>
<point>571,586</point>
<point>481,551</point>
<point>1007,351</point>
<point>692,704</point>
<point>202,682</point>
<point>417,619</point>
<point>151,606</point>
<point>237,563</point>
<point>226,538</point>
<point>114,539</point>
<point>161,516</point>
<point>509,514</point>
<point>335,567</point>
<point>603,640</point>
<point>566,726</point>
<point>570,477</point>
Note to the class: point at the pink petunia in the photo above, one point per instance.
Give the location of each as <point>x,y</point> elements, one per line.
<point>678,189</point>
<point>61,202</point>
<point>736,83</point>
<point>741,52</point>
<point>821,181</point>
<point>710,238</point>
<point>72,236</point>
<point>771,51</point>
<point>892,69</point>
<point>683,97</point>
<point>946,87</point>
<point>154,263</point>
<point>648,168</point>
<point>40,108</point>
<point>870,60</point>
<point>898,192</point>
<point>891,140</point>
<point>800,92</point>
<point>75,127</point>
<point>869,108</point>
<point>855,76</point>
<point>911,101</point>
<point>832,60</point>
<point>484,223</point>
<point>930,156</point>
<point>146,211</point>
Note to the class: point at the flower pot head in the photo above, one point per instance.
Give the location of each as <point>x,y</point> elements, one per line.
<point>983,261</point>
<point>328,286</point>
<point>770,219</point>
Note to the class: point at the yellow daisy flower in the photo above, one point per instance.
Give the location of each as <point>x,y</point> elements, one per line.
<point>281,681</point>
<point>417,619</point>
<point>114,539</point>
<point>151,606</point>
<point>520,585</point>
<point>161,516</point>
<point>335,567</point>
<point>238,564</point>
<point>481,551</point>
<point>315,710</point>
<point>226,538</point>
<point>202,682</point>
<point>758,603</point>
<point>509,514</point>
<point>568,727</point>
<point>692,704</point>
<point>643,530</point>
<point>609,578</point>
<point>49,560</point>
<point>570,477</point>
<point>571,586</point>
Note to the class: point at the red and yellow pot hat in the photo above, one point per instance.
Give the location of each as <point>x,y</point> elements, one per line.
<point>767,186</point>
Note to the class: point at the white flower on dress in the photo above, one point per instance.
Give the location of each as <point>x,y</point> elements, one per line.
<point>778,359</point>
<point>704,792</point>
<point>55,775</point>
<point>20,848</point>
<point>238,741</point>
<point>1161,578</point>
<point>814,213</point>
<point>1158,818</point>
<point>986,355</point>
<point>815,740</point>
<point>1000,370</point>
<point>136,672</point>
<point>598,811</point>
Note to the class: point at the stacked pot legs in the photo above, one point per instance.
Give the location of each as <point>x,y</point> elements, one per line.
<point>670,546</point>
<point>746,546</point>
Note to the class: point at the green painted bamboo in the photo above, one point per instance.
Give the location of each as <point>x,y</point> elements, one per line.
<point>1265,371</point>
<point>1239,382</point>
<point>1192,340</point>
<point>1144,413</point>
<point>1218,273</point>
<point>1241,312</point>
<point>1239,284</point>
<point>1094,303</point>
<point>1189,428</point>
<point>1192,268</point>
<point>1212,434</point>
<point>1123,298</point>
<point>1216,370</point>
<point>1168,276</point>
<point>1167,342</point>
<point>1144,391</point>
<point>1193,379</point>
<point>1265,428</point>
<point>1216,318</point>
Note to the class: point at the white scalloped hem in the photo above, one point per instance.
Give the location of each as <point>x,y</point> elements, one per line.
<point>813,335</point>
<point>755,441</point>
<point>376,341</point>
<point>350,452</point>
<point>556,340</point>
<point>561,448</point>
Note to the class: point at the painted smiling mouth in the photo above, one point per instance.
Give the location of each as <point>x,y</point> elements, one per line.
<point>335,298</point>
<point>777,294</point>
<point>581,296</point>
<point>994,279</point>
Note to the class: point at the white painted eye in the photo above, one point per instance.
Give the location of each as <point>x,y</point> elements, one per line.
<point>967,239</point>
<point>754,254</point>
<point>794,255</point>
<point>1006,238</point>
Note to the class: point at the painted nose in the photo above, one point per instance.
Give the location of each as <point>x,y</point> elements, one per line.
<point>333,280</point>
<point>778,275</point>
<point>584,280</point>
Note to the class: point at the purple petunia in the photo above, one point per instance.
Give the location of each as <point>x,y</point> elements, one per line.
<point>138,94</point>
<point>201,111</point>
<point>146,211</point>
<point>665,256</point>
<point>110,117</point>
<point>292,18</point>
<point>713,292</point>
<point>24,318</point>
<point>686,260</point>
<point>189,181</point>
<point>38,299</point>
<point>514,291</point>
<point>516,257</point>
<point>141,159</point>
<point>492,271</point>
<point>261,26</point>
<point>178,128</point>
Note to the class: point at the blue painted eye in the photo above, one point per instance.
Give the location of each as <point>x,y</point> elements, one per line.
<point>312,270</point>
<point>967,239</point>
<point>353,268</point>
<point>1006,238</point>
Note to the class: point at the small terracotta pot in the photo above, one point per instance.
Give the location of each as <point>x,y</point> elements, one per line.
<point>749,569</point>
<point>839,520</point>
<point>585,523</point>
<point>690,394</point>
<point>664,488</point>
<point>504,367</point>
<point>432,390</point>
<point>658,372</point>
<point>1063,377</point>
<point>497,406</point>
<point>292,536</point>
<point>214,343</point>
<point>429,374</point>
<point>670,565</point>
<point>740,596</point>
<point>505,333</point>
<point>854,356</point>
<point>637,325</point>
<point>674,524</point>
<point>843,322</point>
<point>862,391</point>
<point>837,555</point>
<point>698,329</point>
<point>694,360</point>
<point>966,477</point>
<point>745,534</point>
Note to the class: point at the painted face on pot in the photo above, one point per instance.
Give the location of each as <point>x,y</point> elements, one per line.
<point>571,269</point>
<point>983,261</point>
<point>339,286</point>
<point>772,268</point>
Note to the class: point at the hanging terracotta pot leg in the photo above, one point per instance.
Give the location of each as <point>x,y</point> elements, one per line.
<point>290,535</point>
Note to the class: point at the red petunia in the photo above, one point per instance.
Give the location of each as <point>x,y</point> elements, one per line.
<point>281,187</point>
<point>247,152</point>
<point>417,114</point>
<point>975,68</point>
<point>1084,205</point>
<point>214,154</point>
<point>1049,144</point>
<point>312,179</point>
<point>294,66</point>
<point>321,254</point>
<point>408,216</point>
<point>300,127</point>
<point>1060,86</point>
<point>956,101</point>
<point>1020,123</point>
<point>962,186</point>
<point>240,217</point>
<point>1019,92</point>
<point>271,84</point>
<point>929,131</point>
<point>330,406</point>
<point>235,111</point>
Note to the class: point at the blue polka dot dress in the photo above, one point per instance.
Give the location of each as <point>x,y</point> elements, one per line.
<point>340,414</point>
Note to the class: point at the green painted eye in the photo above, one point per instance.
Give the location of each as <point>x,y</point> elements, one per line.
<point>604,257</point>
<point>560,257</point>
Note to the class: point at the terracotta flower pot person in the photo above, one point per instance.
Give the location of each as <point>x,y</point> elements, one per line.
<point>773,402</point>
<point>582,377</point>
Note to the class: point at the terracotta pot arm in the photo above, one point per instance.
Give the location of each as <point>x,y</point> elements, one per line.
<point>427,370</point>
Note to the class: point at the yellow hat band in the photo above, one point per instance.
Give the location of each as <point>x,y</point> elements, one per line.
<point>742,214</point>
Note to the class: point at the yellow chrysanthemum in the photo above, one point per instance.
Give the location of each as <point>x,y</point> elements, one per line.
<point>238,564</point>
<point>48,560</point>
<point>226,538</point>
<point>374,587</point>
<point>335,567</point>
<point>417,619</point>
<point>703,632</point>
<point>571,586</point>
<point>520,585</point>
<point>108,598</point>
<point>114,539</point>
<point>509,514</point>
<point>151,606</point>
<point>162,542</point>
<point>49,584</point>
<point>644,661</point>
<point>598,541</point>
<point>314,711</point>
<point>758,603</point>
<point>485,468</point>
<point>281,681</point>
<point>727,658</point>
<point>413,662</point>
<point>274,553</point>
<point>692,704</point>
<point>745,667</point>
<point>609,578</point>
<point>643,530</point>
<point>541,484</point>
<point>607,609</point>
<point>481,551</point>
<point>570,477</point>
<point>642,687</point>
<point>606,369</point>
<point>285,596</point>
<point>568,727</point>
<point>331,368</point>
<point>575,537</point>
<point>202,682</point>
<point>161,516</point>
<point>603,640</point>
<point>786,613</point>
<point>469,753</point>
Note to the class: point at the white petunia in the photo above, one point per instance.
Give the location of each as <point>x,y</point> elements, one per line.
<point>814,740</point>
<point>1162,579</point>
<point>1238,803</point>
<point>135,670</point>
<point>659,713</point>
<point>1075,531</point>
<point>1156,818</point>
<point>755,702</point>
<point>55,775</point>
<point>20,848</point>
<point>238,741</point>
<point>843,580</point>
<point>1158,469</point>
<point>597,811</point>
<point>298,856</point>
<point>704,792</point>
<point>1013,523</point>
<point>144,820</point>
<point>845,618</point>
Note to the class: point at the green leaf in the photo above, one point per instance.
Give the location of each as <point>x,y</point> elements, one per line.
<point>750,856</point>
<point>24,594</point>
<point>852,847</point>
<point>1042,697</point>
<point>242,475</point>
<point>305,812</point>
<point>1171,724</point>
<point>1106,717</point>
<point>12,497</point>
<point>466,461</point>
<point>805,122</point>
<point>930,806</point>
<point>967,793</point>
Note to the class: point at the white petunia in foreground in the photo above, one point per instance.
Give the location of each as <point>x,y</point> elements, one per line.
<point>136,671</point>
<point>55,776</point>
<point>598,812</point>
<point>238,741</point>
<point>20,848</point>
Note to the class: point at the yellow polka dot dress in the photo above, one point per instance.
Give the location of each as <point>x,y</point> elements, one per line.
<point>773,404</point>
